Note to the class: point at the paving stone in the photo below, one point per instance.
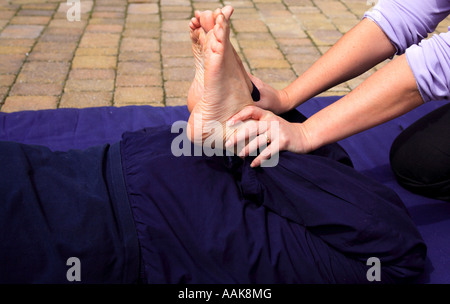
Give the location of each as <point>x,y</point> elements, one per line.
<point>139,56</point>
<point>108,15</point>
<point>110,8</point>
<point>38,20</point>
<point>143,8</point>
<point>100,40</point>
<point>268,63</point>
<point>105,28</point>
<point>63,23</point>
<point>118,21</point>
<point>176,101</point>
<point>5,50</point>
<point>179,62</point>
<point>44,56</point>
<point>94,62</point>
<point>144,33</point>
<point>175,26</point>
<point>22,31</point>
<point>54,47</point>
<point>275,75</point>
<point>92,74</point>
<point>7,80</point>
<point>177,88</point>
<point>249,26</point>
<point>152,21</point>
<point>35,89</point>
<point>92,85</point>
<point>27,103</point>
<point>93,51</point>
<point>139,68</point>
<point>179,74</point>
<point>138,80</point>
<point>138,96</point>
<point>34,12</point>
<point>139,45</point>
<point>325,37</point>
<point>11,64</point>
<point>3,93</point>
<point>39,6</point>
<point>43,72</point>
<point>85,99</point>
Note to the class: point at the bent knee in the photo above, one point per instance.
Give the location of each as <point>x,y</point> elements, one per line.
<point>422,170</point>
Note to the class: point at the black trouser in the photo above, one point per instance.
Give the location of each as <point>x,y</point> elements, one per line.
<point>420,155</point>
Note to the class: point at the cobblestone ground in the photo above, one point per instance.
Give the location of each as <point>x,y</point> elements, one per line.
<point>138,52</point>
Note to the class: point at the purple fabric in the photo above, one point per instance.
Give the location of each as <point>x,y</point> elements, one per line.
<point>430,64</point>
<point>65,129</point>
<point>407,24</point>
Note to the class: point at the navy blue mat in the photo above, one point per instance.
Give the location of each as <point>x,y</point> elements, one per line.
<point>65,129</point>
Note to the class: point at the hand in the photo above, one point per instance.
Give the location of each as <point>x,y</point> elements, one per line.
<point>269,131</point>
<point>272,99</point>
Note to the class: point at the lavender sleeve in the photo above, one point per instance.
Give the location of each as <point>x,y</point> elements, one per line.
<point>407,24</point>
<point>430,64</point>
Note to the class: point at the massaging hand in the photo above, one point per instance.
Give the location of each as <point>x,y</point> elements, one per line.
<point>270,98</point>
<point>268,130</point>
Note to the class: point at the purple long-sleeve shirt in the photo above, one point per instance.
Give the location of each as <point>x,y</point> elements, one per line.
<point>407,23</point>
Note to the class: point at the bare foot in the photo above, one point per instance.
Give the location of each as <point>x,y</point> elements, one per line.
<point>198,35</point>
<point>226,90</point>
<point>200,25</point>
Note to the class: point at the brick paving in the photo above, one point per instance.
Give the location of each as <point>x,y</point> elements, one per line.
<point>138,52</point>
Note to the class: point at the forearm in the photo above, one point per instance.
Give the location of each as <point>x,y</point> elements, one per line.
<point>388,93</point>
<point>357,51</point>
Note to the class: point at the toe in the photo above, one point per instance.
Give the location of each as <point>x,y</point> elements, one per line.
<point>207,20</point>
<point>221,29</point>
<point>227,11</point>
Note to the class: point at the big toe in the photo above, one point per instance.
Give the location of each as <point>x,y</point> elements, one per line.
<point>227,11</point>
<point>207,20</point>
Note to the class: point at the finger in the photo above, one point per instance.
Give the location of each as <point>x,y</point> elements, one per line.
<point>249,112</point>
<point>259,142</point>
<point>246,132</point>
<point>264,156</point>
<point>256,81</point>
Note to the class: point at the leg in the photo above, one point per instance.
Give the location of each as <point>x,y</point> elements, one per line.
<point>226,89</point>
<point>199,25</point>
<point>420,155</point>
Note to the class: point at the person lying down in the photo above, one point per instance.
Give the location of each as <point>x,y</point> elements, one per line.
<point>132,212</point>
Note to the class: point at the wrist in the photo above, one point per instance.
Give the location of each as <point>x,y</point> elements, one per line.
<point>304,139</point>
<point>284,101</point>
